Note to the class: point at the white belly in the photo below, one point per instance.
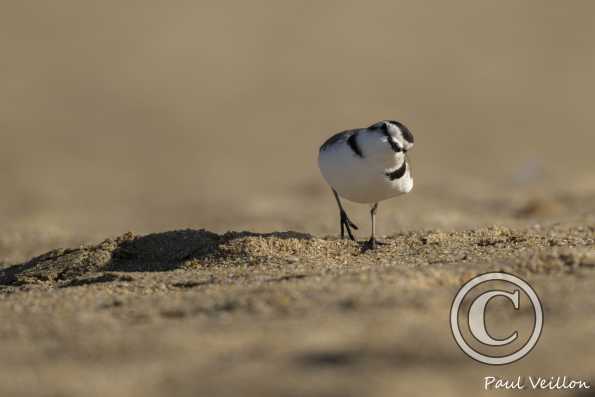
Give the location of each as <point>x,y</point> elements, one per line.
<point>360,179</point>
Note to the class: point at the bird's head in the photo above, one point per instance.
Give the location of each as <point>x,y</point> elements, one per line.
<point>397,134</point>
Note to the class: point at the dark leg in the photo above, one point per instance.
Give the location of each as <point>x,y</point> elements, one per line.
<point>345,221</point>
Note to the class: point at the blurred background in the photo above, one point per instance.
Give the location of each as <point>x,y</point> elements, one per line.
<point>149,116</point>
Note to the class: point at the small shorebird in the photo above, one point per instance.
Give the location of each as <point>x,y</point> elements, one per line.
<point>367,165</point>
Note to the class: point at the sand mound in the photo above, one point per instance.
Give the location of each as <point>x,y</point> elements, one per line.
<point>537,249</point>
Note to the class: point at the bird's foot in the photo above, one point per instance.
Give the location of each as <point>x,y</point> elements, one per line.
<point>372,244</point>
<point>347,224</point>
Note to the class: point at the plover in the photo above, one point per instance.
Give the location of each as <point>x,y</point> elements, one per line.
<point>367,165</point>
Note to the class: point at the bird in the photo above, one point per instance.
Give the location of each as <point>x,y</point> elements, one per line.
<point>366,166</point>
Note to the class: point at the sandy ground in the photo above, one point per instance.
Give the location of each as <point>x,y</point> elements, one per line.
<point>164,229</point>
<point>193,312</point>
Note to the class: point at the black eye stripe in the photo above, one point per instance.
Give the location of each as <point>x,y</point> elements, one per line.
<point>391,142</point>
<point>407,135</point>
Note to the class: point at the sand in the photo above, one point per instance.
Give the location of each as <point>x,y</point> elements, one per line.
<point>193,312</point>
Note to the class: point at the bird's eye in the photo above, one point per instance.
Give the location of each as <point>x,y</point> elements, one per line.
<point>391,141</point>
<point>394,145</point>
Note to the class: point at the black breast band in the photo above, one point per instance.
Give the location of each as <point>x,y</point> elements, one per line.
<point>398,173</point>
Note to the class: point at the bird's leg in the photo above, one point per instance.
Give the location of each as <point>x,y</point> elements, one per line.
<point>372,243</point>
<point>345,221</point>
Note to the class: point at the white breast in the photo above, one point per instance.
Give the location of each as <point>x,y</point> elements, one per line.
<point>364,180</point>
